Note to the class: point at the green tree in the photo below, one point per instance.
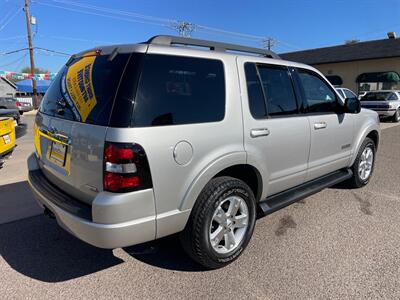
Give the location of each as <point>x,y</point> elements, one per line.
<point>37,70</point>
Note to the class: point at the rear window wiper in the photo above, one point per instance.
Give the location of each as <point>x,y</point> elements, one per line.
<point>70,60</point>
<point>61,106</point>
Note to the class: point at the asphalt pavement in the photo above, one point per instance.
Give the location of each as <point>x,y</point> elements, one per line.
<point>337,244</point>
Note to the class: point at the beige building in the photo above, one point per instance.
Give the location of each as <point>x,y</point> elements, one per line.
<point>360,66</point>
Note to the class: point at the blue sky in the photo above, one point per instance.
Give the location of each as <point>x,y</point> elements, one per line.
<point>296,25</point>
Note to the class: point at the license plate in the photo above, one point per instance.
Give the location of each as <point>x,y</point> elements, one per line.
<point>57,153</point>
<point>6,139</point>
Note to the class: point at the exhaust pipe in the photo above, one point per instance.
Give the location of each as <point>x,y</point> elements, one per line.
<point>49,213</point>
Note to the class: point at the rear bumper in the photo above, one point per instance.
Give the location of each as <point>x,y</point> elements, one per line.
<point>383,112</point>
<point>386,113</point>
<point>94,223</point>
<point>7,152</point>
<point>25,109</point>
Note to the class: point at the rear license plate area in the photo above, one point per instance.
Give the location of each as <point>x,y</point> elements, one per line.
<point>58,153</point>
<point>6,139</point>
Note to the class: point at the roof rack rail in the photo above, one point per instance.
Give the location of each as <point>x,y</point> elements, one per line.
<point>169,40</point>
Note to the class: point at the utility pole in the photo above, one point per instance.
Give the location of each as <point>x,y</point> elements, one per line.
<point>269,43</point>
<point>183,28</point>
<point>28,26</point>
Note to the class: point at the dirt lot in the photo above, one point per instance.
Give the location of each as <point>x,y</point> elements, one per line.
<point>337,244</point>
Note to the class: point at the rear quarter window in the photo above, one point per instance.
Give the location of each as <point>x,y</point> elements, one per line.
<point>179,90</point>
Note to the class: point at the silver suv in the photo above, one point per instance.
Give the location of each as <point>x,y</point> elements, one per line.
<point>137,142</point>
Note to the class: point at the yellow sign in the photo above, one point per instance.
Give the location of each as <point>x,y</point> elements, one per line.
<point>79,85</point>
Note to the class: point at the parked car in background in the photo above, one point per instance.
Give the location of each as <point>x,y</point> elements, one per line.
<point>23,106</point>
<point>8,103</point>
<point>165,139</point>
<point>20,128</point>
<point>346,93</point>
<point>11,113</point>
<point>362,94</point>
<point>12,103</point>
<point>7,137</point>
<point>385,103</point>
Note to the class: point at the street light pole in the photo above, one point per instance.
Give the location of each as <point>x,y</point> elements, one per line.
<point>28,26</point>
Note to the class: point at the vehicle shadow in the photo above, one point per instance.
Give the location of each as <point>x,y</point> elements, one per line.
<point>165,253</point>
<point>38,248</point>
<point>17,202</point>
<point>21,130</point>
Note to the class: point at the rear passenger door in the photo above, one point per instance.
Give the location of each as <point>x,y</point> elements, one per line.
<point>331,130</point>
<point>277,137</point>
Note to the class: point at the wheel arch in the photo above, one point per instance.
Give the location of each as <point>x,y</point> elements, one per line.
<point>248,174</point>
<point>373,132</point>
<point>233,165</point>
<point>374,135</point>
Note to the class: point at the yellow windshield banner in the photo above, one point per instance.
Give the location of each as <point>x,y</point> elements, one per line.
<point>79,85</point>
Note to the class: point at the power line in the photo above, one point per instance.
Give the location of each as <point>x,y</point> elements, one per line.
<point>6,22</point>
<point>13,38</point>
<point>73,39</point>
<point>116,11</point>
<point>14,51</point>
<point>35,48</point>
<point>99,14</point>
<point>182,27</point>
<point>15,61</point>
<point>52,51</point>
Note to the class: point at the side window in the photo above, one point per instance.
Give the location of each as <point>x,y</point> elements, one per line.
<point>349,94</point>
<point>278,89</point>
<point>179,90</point>
<point>319,96</point>
<point>254,91</point>
<point>393,97</point>
<point>341,93</point>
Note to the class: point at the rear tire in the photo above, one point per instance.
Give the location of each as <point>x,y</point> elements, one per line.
<point>396,117</point>
<point>221,223</point>
<point>364,164</point>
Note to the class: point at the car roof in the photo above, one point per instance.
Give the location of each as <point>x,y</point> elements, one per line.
<point>186,46</point>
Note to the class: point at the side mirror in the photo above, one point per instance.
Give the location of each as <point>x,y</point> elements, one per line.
<point>352,106</point>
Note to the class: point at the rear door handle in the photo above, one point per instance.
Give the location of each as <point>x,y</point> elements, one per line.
<point>259,132</point>
<point>320,125</point>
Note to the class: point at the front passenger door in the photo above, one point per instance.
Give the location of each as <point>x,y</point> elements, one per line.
<point>331,131</point>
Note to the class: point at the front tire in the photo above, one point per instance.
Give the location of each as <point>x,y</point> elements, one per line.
<point>221,223</point>
<point>396,117</point>
<point>364,164</point>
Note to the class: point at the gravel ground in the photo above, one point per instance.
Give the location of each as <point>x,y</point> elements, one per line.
<point>337,244</point>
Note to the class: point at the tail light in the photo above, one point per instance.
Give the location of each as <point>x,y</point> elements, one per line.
<point>18,103</point>
<point>126,168</point>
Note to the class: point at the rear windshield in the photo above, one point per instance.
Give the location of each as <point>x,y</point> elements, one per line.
<point>376,96</point>
<point>84,90</point>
